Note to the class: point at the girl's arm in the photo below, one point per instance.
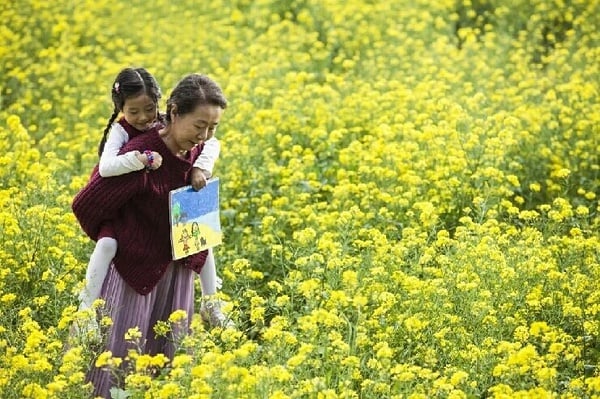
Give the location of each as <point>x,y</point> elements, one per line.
<point>113,164</point>
<point>207,158</point>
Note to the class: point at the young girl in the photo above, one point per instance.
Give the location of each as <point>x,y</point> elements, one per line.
<point>135,94</point>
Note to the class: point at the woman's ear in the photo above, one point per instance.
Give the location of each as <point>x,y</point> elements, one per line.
<point>173,111</point>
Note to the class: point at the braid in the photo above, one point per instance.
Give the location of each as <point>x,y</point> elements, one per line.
<point>104,135</point>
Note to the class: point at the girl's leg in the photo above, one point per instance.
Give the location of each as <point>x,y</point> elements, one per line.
<point>102,256</point>
<point>211,307</point>
<point>208,275</point>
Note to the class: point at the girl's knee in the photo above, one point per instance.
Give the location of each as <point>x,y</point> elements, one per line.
<point>107,245</point>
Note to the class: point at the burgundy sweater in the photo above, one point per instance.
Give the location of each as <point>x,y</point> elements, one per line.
<point>137,205</point>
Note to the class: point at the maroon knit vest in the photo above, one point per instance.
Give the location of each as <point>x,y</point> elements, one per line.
<point>137,205</point>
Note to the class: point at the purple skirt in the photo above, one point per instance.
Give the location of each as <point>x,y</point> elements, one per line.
<point>128,309</point>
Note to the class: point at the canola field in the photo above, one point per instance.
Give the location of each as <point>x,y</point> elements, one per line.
<point>409,195</point>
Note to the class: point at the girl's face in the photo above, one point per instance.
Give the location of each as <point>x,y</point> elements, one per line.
<point>195,127</point>
<point>140,111</point>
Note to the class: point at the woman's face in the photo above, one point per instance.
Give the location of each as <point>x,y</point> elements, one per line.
<point>195,127</point>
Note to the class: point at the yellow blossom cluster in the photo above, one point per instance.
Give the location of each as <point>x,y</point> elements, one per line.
<point>409,196</point>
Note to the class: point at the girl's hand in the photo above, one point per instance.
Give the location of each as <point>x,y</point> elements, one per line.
<point>198,180</point>
<point>157,160</point>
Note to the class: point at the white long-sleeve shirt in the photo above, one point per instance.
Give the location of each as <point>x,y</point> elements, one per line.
<point>113,164</point>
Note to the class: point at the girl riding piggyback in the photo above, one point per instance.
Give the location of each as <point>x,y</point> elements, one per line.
<point>135,95</point>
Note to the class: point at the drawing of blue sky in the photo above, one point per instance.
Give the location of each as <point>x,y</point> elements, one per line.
<point>210,219</point>
<point>194,204</point>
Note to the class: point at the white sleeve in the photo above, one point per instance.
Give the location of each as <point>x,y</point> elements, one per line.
<point>207,158</point>
<point>112,164</point>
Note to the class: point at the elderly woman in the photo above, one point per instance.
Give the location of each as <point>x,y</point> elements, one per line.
<point>144,285</point>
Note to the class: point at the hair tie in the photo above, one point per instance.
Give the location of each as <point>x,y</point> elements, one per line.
<point>116,87</point>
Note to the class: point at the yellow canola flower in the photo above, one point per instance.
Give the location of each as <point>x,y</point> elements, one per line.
<point>106,359</point>
<point>178,316</point>
<point>35,391</point>
<point>169,390</point>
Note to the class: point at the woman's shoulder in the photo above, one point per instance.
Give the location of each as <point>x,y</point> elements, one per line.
<point>145,140</point>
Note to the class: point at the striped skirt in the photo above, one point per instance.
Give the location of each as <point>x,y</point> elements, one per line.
<point>128,309</point>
